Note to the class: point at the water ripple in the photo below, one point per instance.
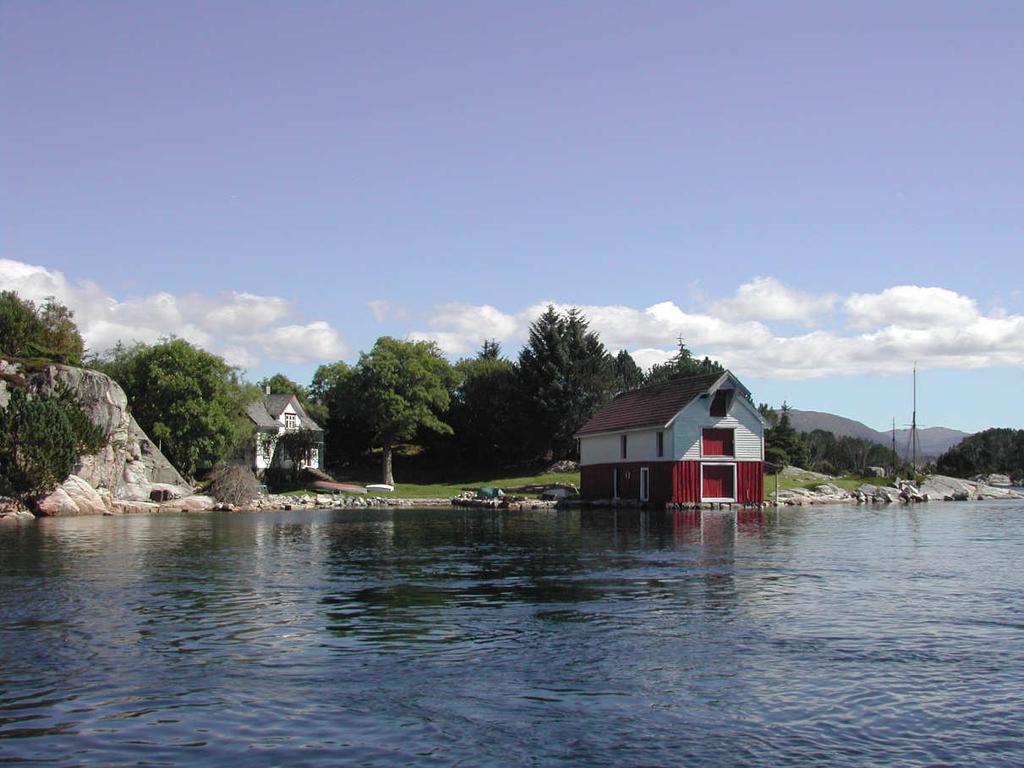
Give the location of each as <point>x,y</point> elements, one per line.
<point>845,636</point>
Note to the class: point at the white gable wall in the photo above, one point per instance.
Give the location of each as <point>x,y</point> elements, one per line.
<point>288,409</point>
<point>748,442</point>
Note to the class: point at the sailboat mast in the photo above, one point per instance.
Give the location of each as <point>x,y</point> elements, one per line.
<point>913,424</point>
<point>892,472</point>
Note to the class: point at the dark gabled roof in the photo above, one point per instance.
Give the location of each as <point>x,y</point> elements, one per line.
<point>277,403</point>
<point>266,412</point>
<point>653,406</point>
<point>258,413</point>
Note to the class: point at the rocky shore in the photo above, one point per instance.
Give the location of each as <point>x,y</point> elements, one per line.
<point>345,501</point>
<point>933,488</point>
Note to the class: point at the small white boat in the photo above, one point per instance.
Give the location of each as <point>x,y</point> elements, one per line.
<point>380,488</point>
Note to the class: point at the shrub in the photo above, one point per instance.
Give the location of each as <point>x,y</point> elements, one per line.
<point>233,484</point>
<point>38,447</point>
<point>41,439</point>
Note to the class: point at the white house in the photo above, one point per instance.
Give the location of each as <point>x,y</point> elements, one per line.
<point>274,416</point>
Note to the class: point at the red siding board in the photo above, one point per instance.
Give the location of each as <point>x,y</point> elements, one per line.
<point>678,482</point>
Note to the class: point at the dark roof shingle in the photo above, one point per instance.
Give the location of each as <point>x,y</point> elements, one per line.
<point>650,406</point>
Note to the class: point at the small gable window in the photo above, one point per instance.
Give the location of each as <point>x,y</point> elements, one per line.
<point>622,446</point>
<point>720,403</point>
<point>291,421</point>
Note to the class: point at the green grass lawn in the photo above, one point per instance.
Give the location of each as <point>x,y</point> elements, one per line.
<point>447,490</point>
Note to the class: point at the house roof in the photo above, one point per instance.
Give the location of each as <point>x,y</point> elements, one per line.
<point>258,413</point>
<point>277,403</point>
<point>267,411</point>
<point>653,406</point>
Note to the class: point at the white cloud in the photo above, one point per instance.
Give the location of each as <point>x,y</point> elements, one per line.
<point>459,329</point>
<point>244,328</point>
<point>885,333</point>
<point>385,310</point>
<point>910,306</point>
<point>765,298</point>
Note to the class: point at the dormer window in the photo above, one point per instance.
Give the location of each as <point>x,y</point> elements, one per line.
<point>720,402</point>
<point>291,422</point>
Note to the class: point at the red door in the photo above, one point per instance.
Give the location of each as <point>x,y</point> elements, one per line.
<point>718,482</point>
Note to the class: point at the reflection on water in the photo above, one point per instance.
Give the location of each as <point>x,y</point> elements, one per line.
<point>846,636</point>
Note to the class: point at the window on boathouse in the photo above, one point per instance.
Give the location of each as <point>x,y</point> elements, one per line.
<point>718,442</point>
<point>622,446</point>
<point>661,444</point>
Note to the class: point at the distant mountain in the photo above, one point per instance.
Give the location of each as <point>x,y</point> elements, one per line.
<point>932,441</point>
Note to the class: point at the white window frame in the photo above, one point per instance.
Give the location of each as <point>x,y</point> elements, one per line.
<point>291,422</point>
<point>645,483</point>
<point>735,479</point>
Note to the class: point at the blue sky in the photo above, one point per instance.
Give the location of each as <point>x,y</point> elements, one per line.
<point>817,194</point>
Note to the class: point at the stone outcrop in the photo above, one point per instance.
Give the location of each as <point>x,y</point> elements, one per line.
<point>940,487</point>
<point>13,511</point>
<point>129,469</point>
<point>995,479</point>
<point>933,488</point>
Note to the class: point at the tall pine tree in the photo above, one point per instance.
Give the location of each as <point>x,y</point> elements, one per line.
<point>565,375</point>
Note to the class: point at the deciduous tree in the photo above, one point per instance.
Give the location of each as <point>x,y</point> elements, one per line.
<point>400,388</point>
<point>187,399</point>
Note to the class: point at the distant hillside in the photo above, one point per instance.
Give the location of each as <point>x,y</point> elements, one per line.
<point>932,441</point>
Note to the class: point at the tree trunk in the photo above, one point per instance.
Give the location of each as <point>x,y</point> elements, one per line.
<point>388,478</point>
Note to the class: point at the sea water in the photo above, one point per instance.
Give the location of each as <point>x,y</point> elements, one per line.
<point>841,636</point>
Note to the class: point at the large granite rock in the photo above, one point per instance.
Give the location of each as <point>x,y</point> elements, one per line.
<point>129,468</point>
<point>941,487</point>
<point>74,496</point>
<point>998,480</point>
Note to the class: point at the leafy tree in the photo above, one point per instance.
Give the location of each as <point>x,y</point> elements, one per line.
<point>280,384</point>
<point>334,391</point>
<point>565,375</point>
<point>992,451</point>
<point>400,388</point>
<point>326,379</point>
<point>682,364</point>
<point>187,399</point>
<point>48,331</point>
<point>484,413</point>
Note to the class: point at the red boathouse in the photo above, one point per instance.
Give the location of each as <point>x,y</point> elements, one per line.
<point>687,441</point>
